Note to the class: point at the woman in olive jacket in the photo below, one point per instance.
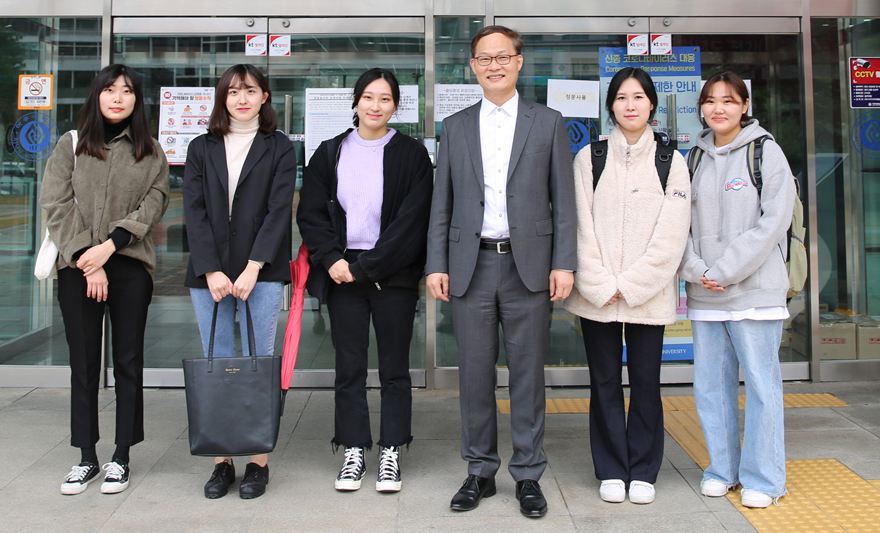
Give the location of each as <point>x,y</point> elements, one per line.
<point>102,200</point>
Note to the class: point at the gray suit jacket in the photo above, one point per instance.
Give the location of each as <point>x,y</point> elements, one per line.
<point>540,202</point>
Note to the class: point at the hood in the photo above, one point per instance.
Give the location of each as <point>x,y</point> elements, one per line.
<point>751,131</point>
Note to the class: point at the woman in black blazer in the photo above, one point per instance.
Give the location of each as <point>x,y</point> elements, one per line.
<point>238,203</point>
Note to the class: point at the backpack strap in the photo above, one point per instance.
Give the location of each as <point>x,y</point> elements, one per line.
<point>599,153</point>
<point>662,160</point>
<point>693,160</point>
<point>755,158</point>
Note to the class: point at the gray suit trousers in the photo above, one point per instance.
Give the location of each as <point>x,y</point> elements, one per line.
<point>497,294</point>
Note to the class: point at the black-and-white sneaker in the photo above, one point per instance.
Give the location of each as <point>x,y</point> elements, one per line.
<point>389,470</point>
<point>116,478</point>
<point>79,478</point>
<point>352,471</point>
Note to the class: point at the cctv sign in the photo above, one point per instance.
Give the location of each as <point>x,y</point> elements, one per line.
<point>864,82</point>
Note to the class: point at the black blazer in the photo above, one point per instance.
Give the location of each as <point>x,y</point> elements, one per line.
<point>262,210</point>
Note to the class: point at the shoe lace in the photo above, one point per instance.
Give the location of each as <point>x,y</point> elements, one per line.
<point>78,473</point>
<point>114,470</point>
<point>354,463</point>
<point>388,463</point>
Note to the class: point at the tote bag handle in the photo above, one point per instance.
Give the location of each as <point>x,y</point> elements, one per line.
<point>252,345</point>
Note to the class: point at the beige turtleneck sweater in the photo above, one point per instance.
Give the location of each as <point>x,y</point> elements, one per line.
<point>238,143</point>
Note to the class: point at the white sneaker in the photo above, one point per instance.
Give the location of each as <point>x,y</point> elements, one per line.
<point>79,478</point>
<point>714,488</point>
<point>116,478</point>
<point>641,492</point>
<point>388,479</point>
<point>613,490</point>
<point>352,471</point>
<point>755,499</point>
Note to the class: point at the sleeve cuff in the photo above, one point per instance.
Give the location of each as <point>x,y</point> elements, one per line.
<point>258,263</point>
<point>360,275</point>
<point>121,238</point>
<point>330,258</point>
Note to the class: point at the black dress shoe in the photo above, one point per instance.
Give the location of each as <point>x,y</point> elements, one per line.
<point>218,485</point>
<point>531,500</point>
<point>468,496</point>
<point>253,485</point>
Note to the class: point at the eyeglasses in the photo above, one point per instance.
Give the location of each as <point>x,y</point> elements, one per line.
<point>485,61</point>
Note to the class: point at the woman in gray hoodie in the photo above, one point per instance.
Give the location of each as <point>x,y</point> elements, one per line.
<point>734,264</point>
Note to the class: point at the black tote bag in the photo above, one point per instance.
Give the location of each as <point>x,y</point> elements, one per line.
<point>233,403</point>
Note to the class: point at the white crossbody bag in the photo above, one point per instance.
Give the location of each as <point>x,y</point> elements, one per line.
<point>44,266</point>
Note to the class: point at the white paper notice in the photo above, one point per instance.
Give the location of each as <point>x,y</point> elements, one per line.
<point>255,45</point>
<point>328,113</point>
<point>661,44</point>
<point>408,110</point>
<point>574,98</point>
<point>183,115</point>
<point>450,99</point>
<point>279,45</point>
<point>637,44</point>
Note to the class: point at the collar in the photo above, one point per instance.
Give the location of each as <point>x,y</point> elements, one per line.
<point>510,107</point>
<point>643,145</point>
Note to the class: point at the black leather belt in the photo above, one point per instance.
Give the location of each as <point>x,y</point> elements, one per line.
<point>502,247</point>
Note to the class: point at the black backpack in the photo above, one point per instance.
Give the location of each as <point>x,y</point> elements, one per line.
<point>662,159</point>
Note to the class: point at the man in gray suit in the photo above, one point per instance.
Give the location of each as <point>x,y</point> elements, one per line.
<point>501,242</point>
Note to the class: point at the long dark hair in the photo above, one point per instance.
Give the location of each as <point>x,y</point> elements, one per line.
<point>237,76</point>
<point>622,75</point>
<point>90,122</point>
<point>369,77</point>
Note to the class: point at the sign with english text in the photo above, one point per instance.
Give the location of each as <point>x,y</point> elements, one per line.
<point>864,82</point>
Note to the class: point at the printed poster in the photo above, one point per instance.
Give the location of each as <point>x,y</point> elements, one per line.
<point>864,82</point>
<point>184,113</point>
<point>677,73</point>
<point>329,113</point>
<point>450,99</point>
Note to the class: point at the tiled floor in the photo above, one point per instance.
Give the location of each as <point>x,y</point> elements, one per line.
<point>166,487</point>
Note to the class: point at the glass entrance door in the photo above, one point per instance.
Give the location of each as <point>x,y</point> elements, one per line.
<point>763,51</point>
<point>322,54</point>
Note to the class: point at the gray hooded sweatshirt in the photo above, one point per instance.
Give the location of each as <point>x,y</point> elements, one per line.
<point>735,238</point>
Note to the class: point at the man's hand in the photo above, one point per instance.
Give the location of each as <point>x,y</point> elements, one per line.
<point>438,284</point>
<point>95,257</point>
<point>560,284</point>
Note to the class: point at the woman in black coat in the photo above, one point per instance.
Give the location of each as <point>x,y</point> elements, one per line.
<point>363,215</point>
<point>238,203</point>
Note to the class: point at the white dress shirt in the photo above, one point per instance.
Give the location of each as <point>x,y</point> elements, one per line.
<point>497,125</point>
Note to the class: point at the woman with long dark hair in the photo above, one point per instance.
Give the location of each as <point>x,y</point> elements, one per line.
<point>363,215</point>
<point>737,286</point>
<point>103,195</point>
<point>238,203</point>
<point>632,228</point>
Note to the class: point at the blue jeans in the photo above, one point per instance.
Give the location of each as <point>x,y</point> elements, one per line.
<point>720,349</point>
<point>265,303</point>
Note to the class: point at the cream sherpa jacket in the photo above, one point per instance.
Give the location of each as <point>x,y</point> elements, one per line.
<point>631,236</point>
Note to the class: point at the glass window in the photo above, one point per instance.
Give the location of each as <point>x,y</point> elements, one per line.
<point>31,330</point>
<point>847,188</point>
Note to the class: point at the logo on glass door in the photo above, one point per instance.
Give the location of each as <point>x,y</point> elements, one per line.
<point>34,136</point>
<point>866,134</point>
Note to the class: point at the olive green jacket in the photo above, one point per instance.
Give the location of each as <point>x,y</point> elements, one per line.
<point>84,204</point>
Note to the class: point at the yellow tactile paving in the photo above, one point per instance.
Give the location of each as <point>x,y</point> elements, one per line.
<point>684,427</point>
<point>680,403</point>
<point>823,495</point>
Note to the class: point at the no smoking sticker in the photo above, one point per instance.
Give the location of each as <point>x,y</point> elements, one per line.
<point>35,91</point>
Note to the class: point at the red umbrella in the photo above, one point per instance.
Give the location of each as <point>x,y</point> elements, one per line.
<point>299,271</point>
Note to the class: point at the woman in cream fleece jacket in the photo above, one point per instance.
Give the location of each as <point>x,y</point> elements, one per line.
<point>631,236</point>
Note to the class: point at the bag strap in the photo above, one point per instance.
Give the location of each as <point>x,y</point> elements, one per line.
<point>693,160</point>
<point>662,160</point>
<point>74,136</point>
<point>252,345</point>
<point>755,158</point>
<point>599,151</point>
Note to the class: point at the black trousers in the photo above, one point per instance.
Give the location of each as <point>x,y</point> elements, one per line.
<point>129,293</point>
<point>627,448</point>
<point>392,309</point>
